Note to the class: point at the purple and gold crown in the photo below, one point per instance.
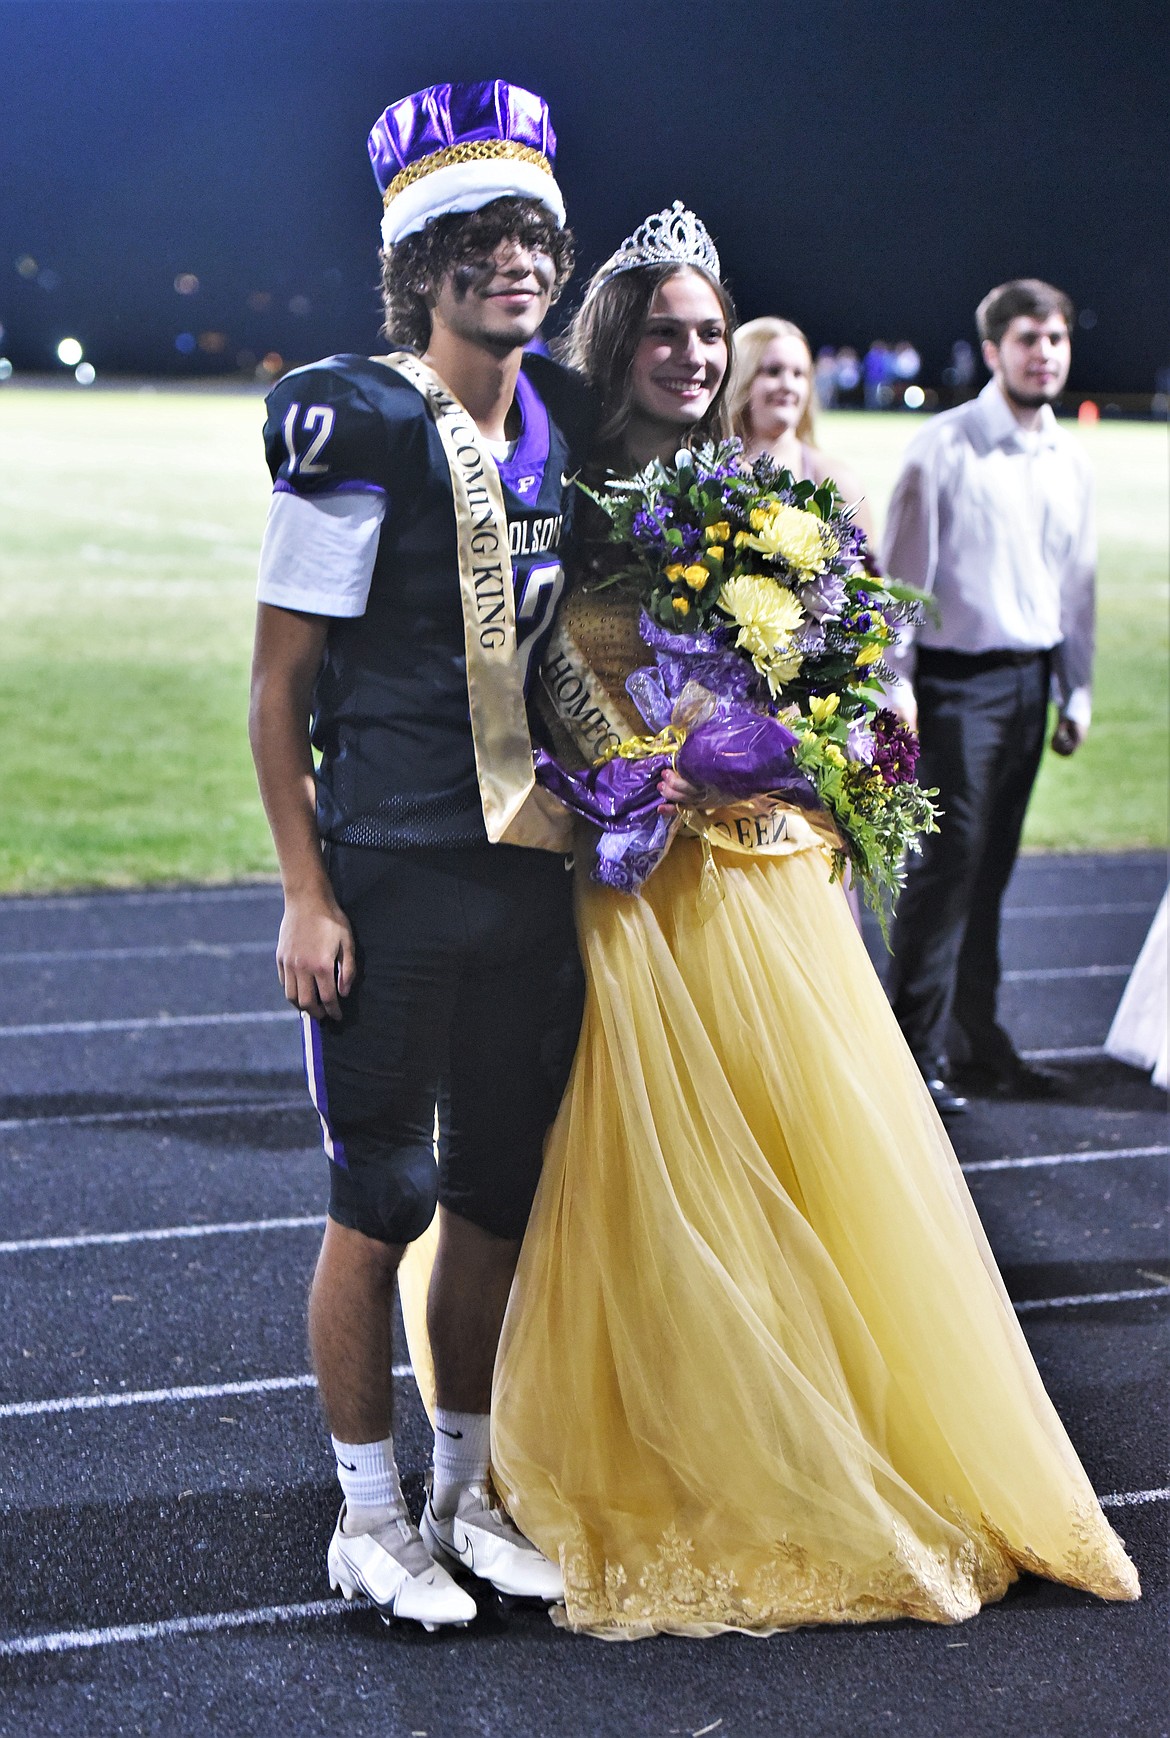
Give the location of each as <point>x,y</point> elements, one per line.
<point>456,147</point>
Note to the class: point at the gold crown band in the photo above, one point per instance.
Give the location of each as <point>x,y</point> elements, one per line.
<point>471,151</point>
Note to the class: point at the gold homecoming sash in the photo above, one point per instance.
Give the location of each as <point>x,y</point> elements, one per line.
<point>516,810</point>
<point>759,827</point>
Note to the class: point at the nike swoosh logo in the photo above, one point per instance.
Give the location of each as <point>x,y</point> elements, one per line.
<point>566,479</point>
<point>346,1465</point>
<point>455,1435</point>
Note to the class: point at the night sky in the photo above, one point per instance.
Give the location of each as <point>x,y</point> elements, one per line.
<point>868,168</point>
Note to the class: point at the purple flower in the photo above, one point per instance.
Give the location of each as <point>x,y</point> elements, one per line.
<point>825,598</point>
<point>647,527</point>
<point>895,752</point>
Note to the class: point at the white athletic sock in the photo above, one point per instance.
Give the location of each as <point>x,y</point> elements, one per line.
<point>462,1454</point>
<point>368,1475</point>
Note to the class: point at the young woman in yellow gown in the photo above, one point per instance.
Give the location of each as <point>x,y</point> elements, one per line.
<point>758,1368</point>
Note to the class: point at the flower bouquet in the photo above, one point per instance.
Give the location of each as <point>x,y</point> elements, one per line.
<point>768,636</point>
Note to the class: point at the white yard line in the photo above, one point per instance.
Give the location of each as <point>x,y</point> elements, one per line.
<point>1076,1053</point>
<point>140,896</point>
<point>160,1113</point>
<point>146,1023</point>
<point>183,950</point>
<point>1122,908</point>
<point>206,1623</point>
<point>1039,1159</point>
<point>1055,974</point>
<point>162,1396</point>
<point>102,1239</point>
<point>1093,1297</point>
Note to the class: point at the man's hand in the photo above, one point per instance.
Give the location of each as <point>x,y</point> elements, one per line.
<point>315,957</point>
<point>1067,737</point>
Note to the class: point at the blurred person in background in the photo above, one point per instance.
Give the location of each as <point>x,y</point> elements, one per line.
<point>848,372</point>
<point>825,377</point>
<point>993,515</point>
<point>877,371</point>
<point>771,405</point>
<point>906,365</point>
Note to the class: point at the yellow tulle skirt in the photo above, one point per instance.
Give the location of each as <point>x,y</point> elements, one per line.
<point>758,1367</point>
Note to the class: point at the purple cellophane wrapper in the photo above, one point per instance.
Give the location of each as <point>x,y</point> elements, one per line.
<point>731,749</point>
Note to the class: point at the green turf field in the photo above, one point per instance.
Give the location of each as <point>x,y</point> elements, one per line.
<point>129,524</point>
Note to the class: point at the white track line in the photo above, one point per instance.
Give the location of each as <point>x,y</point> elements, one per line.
<point>161,1113</point>
<point>206,1623</point>
<point>156,896</point>
<point>148,1023</point>
<point>1076,1053</point>
<point>1131,1499</point>
<point>160,1396</point>
<point>215,1622</point>
<point>185,950</point>
<point>1053,974</point>
<point>1094,1297</point>
<point>1123,908</point>
<point>1029,1163</point>
<point>100,1239</point>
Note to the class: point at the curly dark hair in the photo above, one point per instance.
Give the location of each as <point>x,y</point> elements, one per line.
<point>413,268</point>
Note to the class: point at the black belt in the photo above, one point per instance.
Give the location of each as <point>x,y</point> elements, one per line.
<point>944,663</point>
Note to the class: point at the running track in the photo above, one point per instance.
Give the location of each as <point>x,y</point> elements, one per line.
<point>167,1488</point>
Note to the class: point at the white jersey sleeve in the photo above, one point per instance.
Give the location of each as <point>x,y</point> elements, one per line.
<point>319,551</point>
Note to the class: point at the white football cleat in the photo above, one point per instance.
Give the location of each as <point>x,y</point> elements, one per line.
<point>484,1540</point>
<point>395,1571</point>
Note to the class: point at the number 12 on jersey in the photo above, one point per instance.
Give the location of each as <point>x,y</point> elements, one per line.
<point>317,422</point>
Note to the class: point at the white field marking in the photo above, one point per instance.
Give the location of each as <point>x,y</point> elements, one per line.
<point>160,1396</point>
<point>1124,908</point>
<point>218,950</point>
<point>147,1023</point>
<point>168,1233</point>
<point>1093,1297</point>
<point>206,1623</point>
<point>213,1622</point>
<point>1052,974</point>
<point>159,896</point>
<point>1077,1053</point>
<point>162,1113</point>
<point>1023,1164</point>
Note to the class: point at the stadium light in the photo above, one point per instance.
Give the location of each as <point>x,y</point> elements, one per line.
<point>70,352</point>
<point>5,368</point>
<point>85,374</point>
<point>914,398</point>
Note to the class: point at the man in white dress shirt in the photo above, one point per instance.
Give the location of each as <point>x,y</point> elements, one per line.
<point>993,515</point>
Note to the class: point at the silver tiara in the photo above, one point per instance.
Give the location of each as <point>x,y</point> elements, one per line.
<point>673,237</point>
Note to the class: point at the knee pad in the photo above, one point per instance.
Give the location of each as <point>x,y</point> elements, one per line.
<point>389,1195</point>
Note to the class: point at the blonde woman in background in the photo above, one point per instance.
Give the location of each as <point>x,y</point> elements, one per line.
<point>771,405</point>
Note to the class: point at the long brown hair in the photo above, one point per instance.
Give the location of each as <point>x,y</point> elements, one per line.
<point>751,341</point>
<point>604,334</point>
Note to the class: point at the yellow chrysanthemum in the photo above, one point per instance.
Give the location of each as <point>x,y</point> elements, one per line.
<point>767,616</point>
<point>789,534</point>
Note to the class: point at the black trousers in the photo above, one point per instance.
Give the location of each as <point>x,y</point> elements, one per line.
<point>982,722</point>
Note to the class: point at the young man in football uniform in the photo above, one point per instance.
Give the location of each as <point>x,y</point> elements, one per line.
<point>408,580</point>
